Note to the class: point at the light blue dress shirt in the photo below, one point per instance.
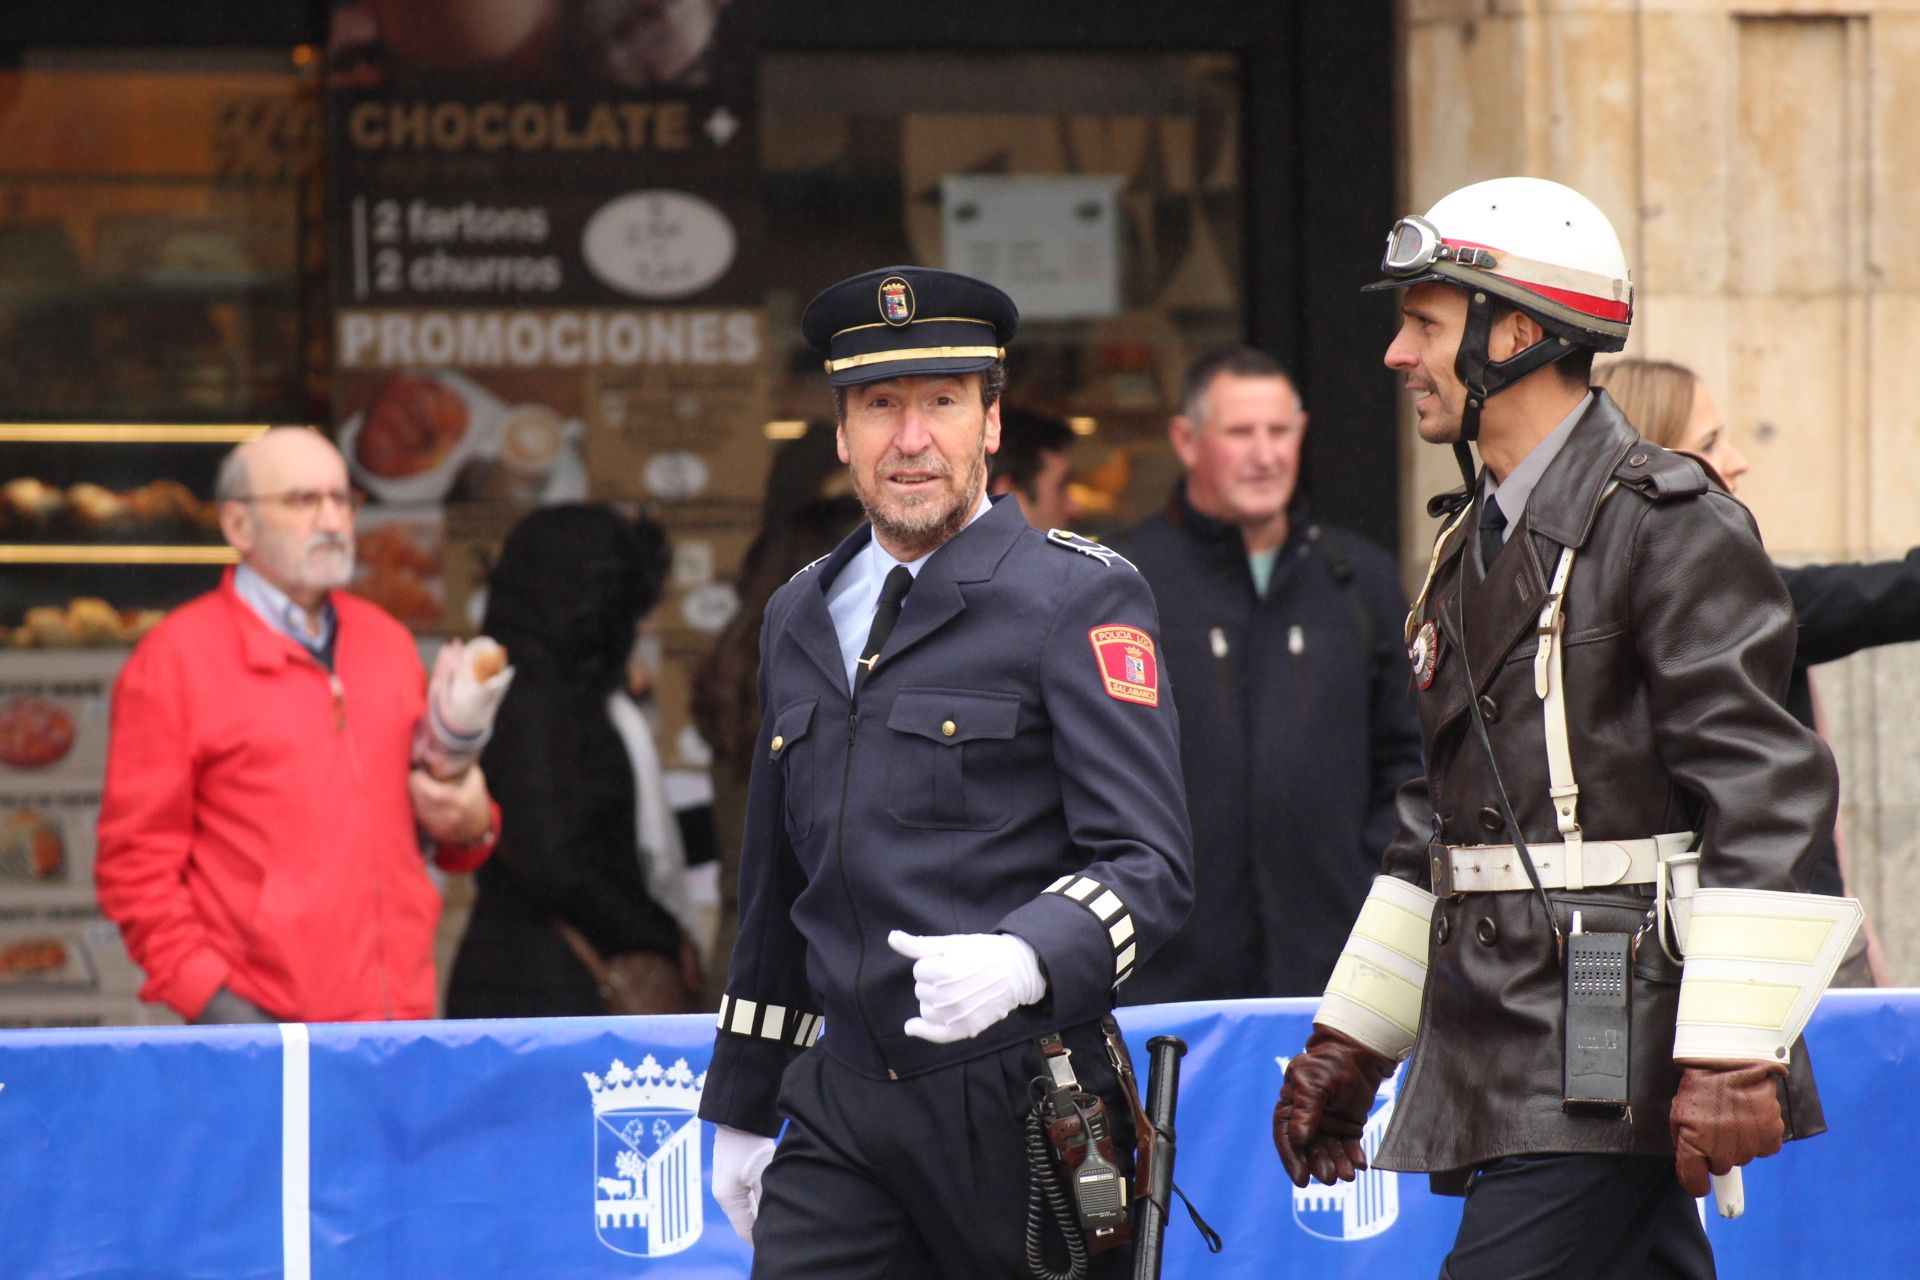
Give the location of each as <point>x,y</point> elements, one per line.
<point>855,594</point>
<point>278,611</point>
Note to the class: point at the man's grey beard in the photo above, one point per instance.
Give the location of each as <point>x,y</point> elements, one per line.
<point>321,578</point>
<point>924,529</point>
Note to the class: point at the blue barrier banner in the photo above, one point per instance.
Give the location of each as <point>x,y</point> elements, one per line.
<point>140,1153</point>
<point>570,1148</point>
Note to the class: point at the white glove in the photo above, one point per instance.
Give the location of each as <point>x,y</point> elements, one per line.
<point>966,982</point>
<point>739,1158</point>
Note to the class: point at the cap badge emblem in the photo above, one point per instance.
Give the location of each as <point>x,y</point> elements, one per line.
<point>896,301</point>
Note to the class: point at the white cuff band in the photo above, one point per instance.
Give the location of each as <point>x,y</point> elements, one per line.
<point>1757,963</point>
<point>1375,992</point>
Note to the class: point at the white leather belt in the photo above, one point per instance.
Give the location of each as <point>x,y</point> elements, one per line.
<point>1496,868</point>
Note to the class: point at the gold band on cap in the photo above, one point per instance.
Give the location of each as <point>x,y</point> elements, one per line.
<point>915,353</point>
<point>985,324</point>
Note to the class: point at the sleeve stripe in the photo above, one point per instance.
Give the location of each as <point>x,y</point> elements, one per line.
<point>774,1022</point>
<point>1108,908</point>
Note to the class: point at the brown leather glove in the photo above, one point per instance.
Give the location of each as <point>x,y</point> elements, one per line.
<point>1724,1114</point>
<point>1323,1107</point>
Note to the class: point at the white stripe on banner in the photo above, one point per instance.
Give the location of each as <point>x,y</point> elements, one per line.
<point>296,1243</point>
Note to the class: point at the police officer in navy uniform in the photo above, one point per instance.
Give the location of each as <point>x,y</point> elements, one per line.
<point>965,826</point>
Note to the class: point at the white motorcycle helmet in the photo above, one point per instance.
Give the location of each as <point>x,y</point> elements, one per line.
<point>1539,245</point>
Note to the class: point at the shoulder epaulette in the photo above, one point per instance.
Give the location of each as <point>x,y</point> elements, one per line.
<point>1087,547</point>
<point>1661,475</point>
<point>803,568</point>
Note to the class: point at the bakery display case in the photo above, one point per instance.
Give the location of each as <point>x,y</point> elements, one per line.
<point>103,527</point>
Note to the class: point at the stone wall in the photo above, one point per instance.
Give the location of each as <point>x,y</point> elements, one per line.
<point>1761,162</point>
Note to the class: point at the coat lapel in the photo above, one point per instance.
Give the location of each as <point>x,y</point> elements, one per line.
<point>971,556</point>
<point>810,625</point>
<point>1504,605</point>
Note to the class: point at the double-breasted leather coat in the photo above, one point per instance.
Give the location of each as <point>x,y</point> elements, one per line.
<point>1678,644</point>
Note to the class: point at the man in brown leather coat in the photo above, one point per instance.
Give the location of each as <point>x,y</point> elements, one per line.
<point>1630,701</point>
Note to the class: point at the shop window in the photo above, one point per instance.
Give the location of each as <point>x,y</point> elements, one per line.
<point>158,233</point>
<point>1103,191</point>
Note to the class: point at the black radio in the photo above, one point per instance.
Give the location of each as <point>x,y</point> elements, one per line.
<point>1081,1152</point>
<point>1598,1021</point>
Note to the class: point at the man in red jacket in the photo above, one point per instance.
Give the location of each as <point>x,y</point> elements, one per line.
<point>260,830</point>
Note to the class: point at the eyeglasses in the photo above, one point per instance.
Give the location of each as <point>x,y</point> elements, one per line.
<point>1414,245</point>
<point>307,502</point>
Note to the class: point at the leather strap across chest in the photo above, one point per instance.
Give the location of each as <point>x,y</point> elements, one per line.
<point>1569,864</point>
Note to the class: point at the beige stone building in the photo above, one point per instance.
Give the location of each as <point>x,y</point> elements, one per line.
<point>1760,160</point>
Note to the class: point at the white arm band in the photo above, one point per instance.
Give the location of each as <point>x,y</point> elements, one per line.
<point>1374,994</point>
<point>1757,963</point>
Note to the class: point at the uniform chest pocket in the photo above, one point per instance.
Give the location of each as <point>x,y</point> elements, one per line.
<point>949,758</point>
<point>790,748</point>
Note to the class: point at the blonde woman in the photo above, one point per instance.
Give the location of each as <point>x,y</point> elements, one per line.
<point>1842,608</point>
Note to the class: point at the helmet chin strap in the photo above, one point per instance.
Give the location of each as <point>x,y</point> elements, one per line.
<point>1484,378</point>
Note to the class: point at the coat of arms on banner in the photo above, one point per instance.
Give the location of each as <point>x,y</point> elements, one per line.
<point>648,1194</point>
<point>1370,1203</point>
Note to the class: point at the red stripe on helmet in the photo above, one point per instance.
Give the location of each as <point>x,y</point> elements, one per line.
<point>1588,303</point>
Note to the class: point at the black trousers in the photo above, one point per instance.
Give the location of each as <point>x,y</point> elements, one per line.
<point>926,1176</point>
<point>1572,1217</point>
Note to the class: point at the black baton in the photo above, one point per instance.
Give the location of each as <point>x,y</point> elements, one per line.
<point>1163,1092</point>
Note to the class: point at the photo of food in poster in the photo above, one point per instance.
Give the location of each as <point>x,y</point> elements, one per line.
<point>630,44</point>
<point>434,436</point>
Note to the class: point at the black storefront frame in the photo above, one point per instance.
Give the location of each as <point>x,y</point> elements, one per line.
<point>1318,83</point>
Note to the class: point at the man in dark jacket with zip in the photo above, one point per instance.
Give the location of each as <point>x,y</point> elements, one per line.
<point>1295,724</point>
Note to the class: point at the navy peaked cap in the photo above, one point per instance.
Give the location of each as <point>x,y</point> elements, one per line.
<point>902,321</point>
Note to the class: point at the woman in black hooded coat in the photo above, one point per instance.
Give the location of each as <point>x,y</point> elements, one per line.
<point>571,584</point>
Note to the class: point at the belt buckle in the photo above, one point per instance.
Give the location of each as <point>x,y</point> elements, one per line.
<point>1440,865</point>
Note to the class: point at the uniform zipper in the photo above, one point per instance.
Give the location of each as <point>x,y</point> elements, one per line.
<point>853,912</point>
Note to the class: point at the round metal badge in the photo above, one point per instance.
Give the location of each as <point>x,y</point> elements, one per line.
<point>1424,653</point>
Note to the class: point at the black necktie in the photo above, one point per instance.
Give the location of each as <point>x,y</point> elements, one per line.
<point>1493,522</point>
<point>893,592</point>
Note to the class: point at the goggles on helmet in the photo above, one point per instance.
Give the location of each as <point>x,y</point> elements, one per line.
<point>1414,246</point>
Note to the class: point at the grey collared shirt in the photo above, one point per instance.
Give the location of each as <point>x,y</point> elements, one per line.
<point>1513,492</point>
<point>310,631</point>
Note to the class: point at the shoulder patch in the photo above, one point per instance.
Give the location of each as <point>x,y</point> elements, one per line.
<point>1661,475</point>
<point>803,568</point>
<point>1087,547</point>
<point>1128,665</point>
